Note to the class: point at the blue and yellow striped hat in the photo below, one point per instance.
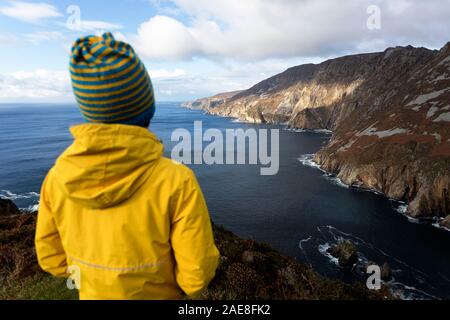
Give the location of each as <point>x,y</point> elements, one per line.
<point>110,83</point>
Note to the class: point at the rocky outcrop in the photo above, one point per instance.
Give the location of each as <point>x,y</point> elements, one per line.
<point>7,207</point>
<point>386,272</point>
<point>389,113</point>
<point>346,253</point>
<point>445,223</point>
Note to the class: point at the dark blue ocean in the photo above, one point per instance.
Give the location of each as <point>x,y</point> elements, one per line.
<point>300,211</point>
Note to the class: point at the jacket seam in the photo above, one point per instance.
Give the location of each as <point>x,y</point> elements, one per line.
<point>99,266</point>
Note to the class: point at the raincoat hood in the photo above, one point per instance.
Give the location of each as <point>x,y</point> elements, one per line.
<point>106,164</point>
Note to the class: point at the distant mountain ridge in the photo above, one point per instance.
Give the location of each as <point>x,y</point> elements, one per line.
<point>210,102</point>
<point>389,111</point>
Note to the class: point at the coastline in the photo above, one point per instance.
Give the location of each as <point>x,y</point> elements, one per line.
<point>401,208</point>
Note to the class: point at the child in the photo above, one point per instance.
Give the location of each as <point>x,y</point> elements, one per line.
<point>128,222</point>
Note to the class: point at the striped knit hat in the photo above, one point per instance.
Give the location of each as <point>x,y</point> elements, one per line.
<point>110,83</point>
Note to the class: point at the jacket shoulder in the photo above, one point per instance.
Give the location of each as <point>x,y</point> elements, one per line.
<point>48,182</point>
<point>174,170</point>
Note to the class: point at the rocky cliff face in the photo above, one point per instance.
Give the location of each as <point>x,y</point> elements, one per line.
<point>389,111</point>
<point>397,139</point>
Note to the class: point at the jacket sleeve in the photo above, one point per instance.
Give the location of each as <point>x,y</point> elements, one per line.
<point>192,239</point>
<point>49,250</point>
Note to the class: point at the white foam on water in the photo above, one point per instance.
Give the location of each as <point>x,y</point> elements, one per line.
<point>300,243</point>
<point>405,292</point>
<point>402,209</point>
<point>335,180</point>
<point>323,249</point>
<point>31,208</point>
<point>365,189</point>
<point>437,225</point>
<point>294,130</point>
<point>397,288</point>
<point>321,131</point>
<point>414,220</point>
<point>308,160</point>
<point>6,194</point>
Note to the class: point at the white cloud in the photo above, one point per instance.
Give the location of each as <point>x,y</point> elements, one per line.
<point>163,73</point>
<point>40,36</point>
<point>163,36</point>
<point>35,38</point>
<point>29,12</point>
<point>35,85</point>
<point>165,8</point>
<point>259,29</point>
<point>88,25</point>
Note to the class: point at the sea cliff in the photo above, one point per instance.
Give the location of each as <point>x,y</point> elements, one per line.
<point>389,113</point>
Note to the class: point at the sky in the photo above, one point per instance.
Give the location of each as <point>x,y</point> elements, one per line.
<point>197,48</point>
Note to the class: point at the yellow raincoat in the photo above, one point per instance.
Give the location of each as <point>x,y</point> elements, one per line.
<point>135,224</point>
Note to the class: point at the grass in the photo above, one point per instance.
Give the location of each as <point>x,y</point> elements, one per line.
<point>38,287</point>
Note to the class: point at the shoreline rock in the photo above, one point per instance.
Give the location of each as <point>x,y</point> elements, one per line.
<point>386,272</point>
<point>8,207</point>
<point>445,223</point>
<point>346,253</point>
